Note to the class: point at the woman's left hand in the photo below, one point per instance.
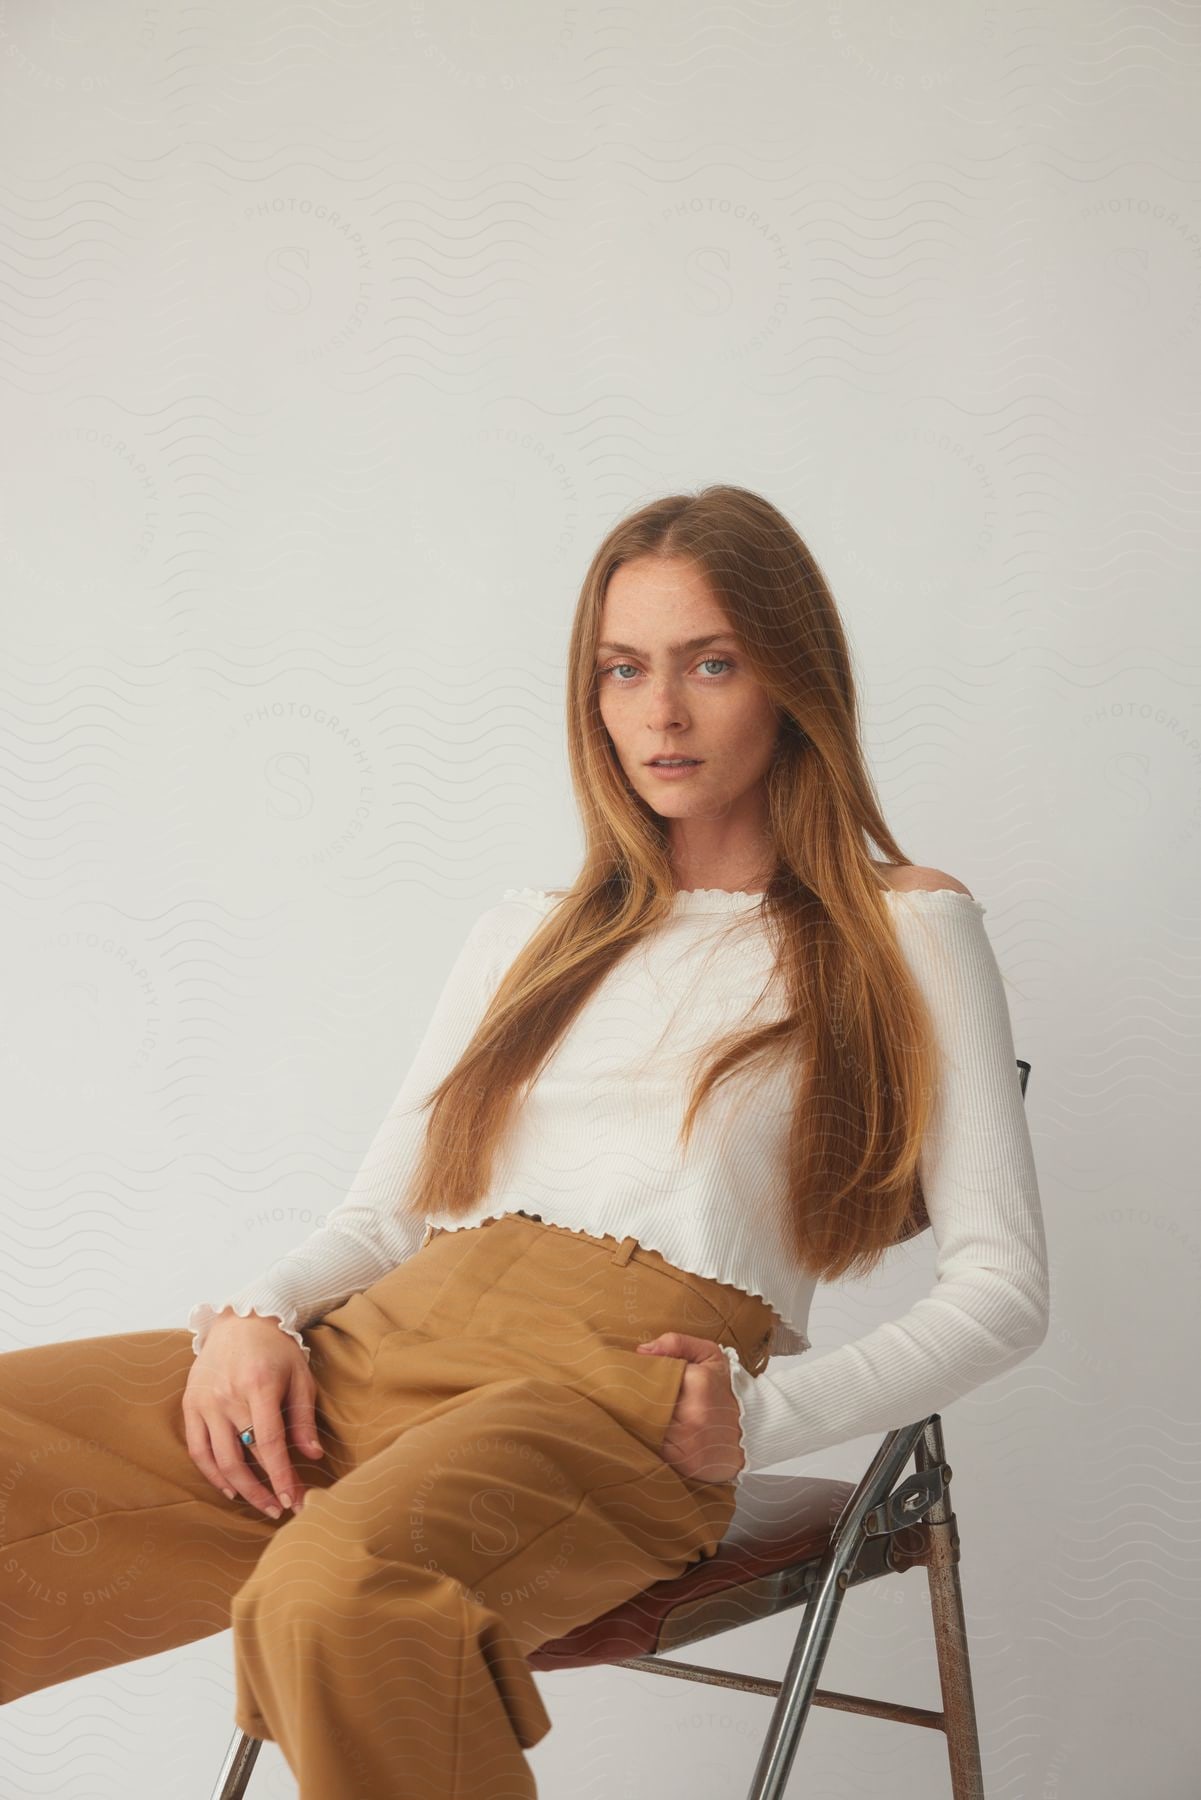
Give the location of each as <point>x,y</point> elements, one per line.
<point>704,1439</point>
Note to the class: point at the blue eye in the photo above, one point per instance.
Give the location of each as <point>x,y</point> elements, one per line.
<point>725,660</point>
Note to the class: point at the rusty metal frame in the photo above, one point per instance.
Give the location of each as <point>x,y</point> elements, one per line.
<point>866,1544</point>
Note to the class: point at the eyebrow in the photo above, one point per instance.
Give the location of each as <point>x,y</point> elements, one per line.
<point>696,643</point>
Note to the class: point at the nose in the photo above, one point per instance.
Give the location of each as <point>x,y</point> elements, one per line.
<point>665,707</point>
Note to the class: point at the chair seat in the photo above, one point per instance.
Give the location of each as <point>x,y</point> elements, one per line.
<point>768,1561</point>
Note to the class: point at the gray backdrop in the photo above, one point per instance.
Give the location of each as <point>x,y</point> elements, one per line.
<point>334,337</point>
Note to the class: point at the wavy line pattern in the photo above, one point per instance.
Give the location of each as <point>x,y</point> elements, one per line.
<point>332,339</point>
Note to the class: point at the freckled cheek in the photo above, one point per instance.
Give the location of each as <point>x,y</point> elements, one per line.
<point>611,722</point>
<point>620,733</point>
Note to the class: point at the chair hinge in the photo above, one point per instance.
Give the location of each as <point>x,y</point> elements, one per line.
<point>907,1503</point>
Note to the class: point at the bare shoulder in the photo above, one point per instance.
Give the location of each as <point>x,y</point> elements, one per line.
<point>907,878</point>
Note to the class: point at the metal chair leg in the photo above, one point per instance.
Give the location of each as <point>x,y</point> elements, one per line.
<point>239,1761</point>
<point>821,1612</point>
<point>950,1628</point>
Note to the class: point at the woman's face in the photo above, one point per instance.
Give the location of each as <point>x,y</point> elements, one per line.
<point>661,694</point>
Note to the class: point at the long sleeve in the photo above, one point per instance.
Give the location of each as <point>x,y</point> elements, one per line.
<point>366,1234</point>
<point>990,1305</point>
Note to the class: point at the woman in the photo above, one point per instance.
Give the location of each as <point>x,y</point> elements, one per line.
<point>562,1310</point>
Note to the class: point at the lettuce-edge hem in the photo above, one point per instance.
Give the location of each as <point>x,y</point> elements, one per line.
<point>202,1315</point>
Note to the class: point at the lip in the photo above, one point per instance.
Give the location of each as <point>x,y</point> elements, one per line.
<point>679,772</point>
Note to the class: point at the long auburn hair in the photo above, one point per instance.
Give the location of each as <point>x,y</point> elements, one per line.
<point>855,1030</point>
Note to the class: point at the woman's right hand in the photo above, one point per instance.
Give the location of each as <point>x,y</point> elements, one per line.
<point>249,1372</point>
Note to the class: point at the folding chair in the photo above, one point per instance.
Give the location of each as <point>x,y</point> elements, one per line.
<point>794,1540</point>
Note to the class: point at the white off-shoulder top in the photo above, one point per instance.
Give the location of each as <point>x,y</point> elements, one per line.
<point>594,1147</point>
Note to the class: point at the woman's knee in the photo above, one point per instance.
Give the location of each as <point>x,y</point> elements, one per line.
<point>315,1577</point>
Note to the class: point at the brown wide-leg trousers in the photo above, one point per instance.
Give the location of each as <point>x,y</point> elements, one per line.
<point>491,1479</point>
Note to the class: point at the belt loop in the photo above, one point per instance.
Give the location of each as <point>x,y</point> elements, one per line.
<point>625,1250</point>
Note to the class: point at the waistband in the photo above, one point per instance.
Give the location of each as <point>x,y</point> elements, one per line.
<point>750,1318</point>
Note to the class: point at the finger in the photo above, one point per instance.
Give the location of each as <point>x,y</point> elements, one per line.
<point>271,1446</point>
<point>675,1343</point>
<point>201,1452</point>
<point>239,1472</point>
<point>302,1415</point>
